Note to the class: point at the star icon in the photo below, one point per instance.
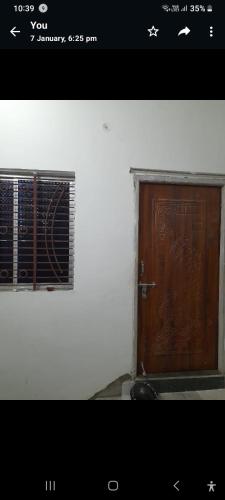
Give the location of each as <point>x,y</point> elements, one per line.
<point>153,31</point>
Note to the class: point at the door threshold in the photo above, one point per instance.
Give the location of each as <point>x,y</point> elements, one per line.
<point>185,381</point>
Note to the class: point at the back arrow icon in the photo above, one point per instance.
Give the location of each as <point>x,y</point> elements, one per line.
<point>13,31</point>
<point>175,485</point>
<point>185,31</point>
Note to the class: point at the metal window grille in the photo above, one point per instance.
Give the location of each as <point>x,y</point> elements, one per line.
<point>37,210</point>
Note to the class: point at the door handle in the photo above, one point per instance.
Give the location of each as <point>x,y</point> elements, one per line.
<point>144,288</point>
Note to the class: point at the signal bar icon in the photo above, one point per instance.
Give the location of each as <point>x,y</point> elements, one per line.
<point>49,486</point>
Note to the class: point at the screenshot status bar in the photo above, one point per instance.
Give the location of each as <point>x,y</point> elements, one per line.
<point>112,25</point>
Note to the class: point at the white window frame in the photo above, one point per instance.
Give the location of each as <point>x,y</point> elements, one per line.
<point>48,175</point>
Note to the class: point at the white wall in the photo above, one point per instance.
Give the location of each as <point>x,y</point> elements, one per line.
<point>71,344</point>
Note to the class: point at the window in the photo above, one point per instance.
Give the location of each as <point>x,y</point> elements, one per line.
<point>36,230</point>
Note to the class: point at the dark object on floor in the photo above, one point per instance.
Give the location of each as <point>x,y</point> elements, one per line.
<point>143,391</point>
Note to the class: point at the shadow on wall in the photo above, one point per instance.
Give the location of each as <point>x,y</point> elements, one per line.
<point>114,389</point>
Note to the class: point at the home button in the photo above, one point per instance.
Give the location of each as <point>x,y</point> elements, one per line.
<point>113,485</point>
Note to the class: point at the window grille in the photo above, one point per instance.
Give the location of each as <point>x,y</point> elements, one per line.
<point>36,230</point>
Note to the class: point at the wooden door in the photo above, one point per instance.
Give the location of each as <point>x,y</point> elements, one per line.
<point>179,241</point>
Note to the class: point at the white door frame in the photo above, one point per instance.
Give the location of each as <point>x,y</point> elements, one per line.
<point>188,178</point>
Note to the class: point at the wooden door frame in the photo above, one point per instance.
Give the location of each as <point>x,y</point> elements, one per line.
<point>184,178</point>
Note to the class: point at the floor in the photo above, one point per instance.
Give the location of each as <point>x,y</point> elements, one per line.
<point>213,394</point>
<point>216,394</point>
<point>119,390</point>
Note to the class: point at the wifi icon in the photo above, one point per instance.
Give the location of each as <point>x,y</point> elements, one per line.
<point>166,8</point>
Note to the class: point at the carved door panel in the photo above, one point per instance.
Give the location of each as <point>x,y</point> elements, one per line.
<point>179,240</point>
